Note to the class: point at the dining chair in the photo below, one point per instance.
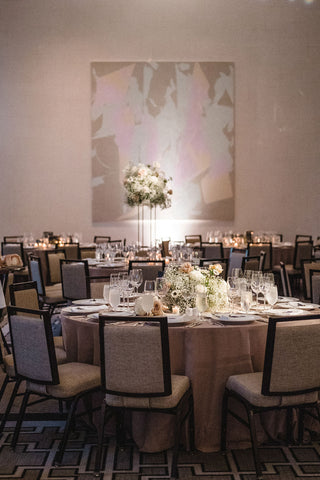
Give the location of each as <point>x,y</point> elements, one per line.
<point>136,376</point>
<point>306,265</point>
<point>193,239</point>
<point>87,252</point>
<point>13,238</point>
<point>235,258</point>
<point>49,296</point>
<point>255,249</point>
<point>71,251</point>
<point>212,250</point>
<point>285,281</point>
<point>151,269</point>
<point>75,279</point>
<point>35,362</point>
<point>303,238</point>
<point>13,248</point>
<point>290,378</point>
<point>315,285</point>
<point>101,239</point>
<point>224,262</point>
<point>52,259</point>
<point>165,252</point>
<point>251,263</point>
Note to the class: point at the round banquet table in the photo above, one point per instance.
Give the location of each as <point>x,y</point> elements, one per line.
<point>208,354</point>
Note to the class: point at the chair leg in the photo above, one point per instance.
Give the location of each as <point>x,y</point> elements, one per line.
<point>11,400</point>
<point>254,442</point>
<point>175,454</point>
<point>120,430</point>
<point>97,465</point>
<point>20,419</point>
<point>66,432</point>
<point>301,425</point>
<point>224,419</point>
<point>289,421</point>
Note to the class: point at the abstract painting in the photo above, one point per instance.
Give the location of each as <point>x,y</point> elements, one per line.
<point>178,114</point>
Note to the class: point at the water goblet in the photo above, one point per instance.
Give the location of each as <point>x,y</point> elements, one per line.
<point>149,286</point>
<point>114,297</point>
<point>106,289</point>
<point>272,295</point>
<point>232,291</point>
<point>201,303</point>
<point>246,299</point>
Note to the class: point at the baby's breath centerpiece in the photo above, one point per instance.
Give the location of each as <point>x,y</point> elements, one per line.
<point>185,281</point>
<point>147,184</point>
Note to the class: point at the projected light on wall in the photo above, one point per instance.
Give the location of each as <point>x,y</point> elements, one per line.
<point>180,114</point>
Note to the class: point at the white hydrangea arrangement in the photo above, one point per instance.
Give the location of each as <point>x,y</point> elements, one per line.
<point>185,281</point>
<point>147,184</point>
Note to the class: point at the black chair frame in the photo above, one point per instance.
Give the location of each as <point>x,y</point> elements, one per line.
<point>252,410</point>
<point>313,272</point>
<point>212,244</point>
<point>86,269</point>
<point>182,410</point>
<point>72,401</point>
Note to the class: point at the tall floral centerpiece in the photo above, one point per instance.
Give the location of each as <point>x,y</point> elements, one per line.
<point>185,282</point>
<point>146,185</point>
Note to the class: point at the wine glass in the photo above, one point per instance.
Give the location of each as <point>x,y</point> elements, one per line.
<point>136,278</point>
<point>255,284</point>
<point>114,297</point>
<point>232,291</point>
<point>161,287</point>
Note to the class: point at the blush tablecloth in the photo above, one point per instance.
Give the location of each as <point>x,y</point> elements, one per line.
<point>207,354</point>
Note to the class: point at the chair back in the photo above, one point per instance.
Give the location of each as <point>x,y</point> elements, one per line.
<point>101,239</point>
<point>193,239</point>
<point>292,356</point>
<point>75,279</point>
<point>315,285</point>
<point>71,251</point>
<point>13,238</point>
<point>165,248</point>
<point>35,272</point>
<point>87,252</point>
<point>224,262</point>
<point>33,345</point>
<point>135,359</point>
<point>212,250</point>
<point>24,295</point>
<point>303,238</point>
<point>306,265</point>
<point>150,269</point>
<point>13,248</point>
<point>303,251</point>
<point>235,258</point>
<point>53,266</point>
<point>285,281</point>
<point>254,249</point>
<point>251,263</point>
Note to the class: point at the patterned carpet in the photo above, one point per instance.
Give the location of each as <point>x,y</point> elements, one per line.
<point>38,444</point>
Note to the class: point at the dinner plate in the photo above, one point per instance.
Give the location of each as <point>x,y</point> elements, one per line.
<point>287,313</point>
<point>176,320</point>
<point>287,299</point>
<point>299,305</point>
<point>89,302</point>
<point>119,313</point>
<point>235,318</point>
<point>83,309</point>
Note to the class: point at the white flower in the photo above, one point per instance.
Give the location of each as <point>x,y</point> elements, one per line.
<point>200,288</point>
<point>195,275</point>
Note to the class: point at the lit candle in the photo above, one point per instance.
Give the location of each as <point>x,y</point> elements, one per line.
<point>175,309</point>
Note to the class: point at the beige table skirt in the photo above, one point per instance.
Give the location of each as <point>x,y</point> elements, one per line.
<point>207,354</point>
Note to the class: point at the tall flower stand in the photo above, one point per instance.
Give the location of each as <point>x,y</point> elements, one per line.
<point>147,224</point>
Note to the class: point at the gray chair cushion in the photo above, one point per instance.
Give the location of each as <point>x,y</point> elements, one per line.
<point>248,385</point>
<point>180,385</point>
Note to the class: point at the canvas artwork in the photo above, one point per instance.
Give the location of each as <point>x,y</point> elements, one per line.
<point>179,114</point>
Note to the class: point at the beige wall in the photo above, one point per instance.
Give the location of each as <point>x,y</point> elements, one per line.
<point>46,47</point>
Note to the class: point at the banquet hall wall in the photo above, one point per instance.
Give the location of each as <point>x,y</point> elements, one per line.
<point>46,47</point>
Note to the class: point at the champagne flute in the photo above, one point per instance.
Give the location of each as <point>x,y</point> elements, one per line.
<point>106,289</point>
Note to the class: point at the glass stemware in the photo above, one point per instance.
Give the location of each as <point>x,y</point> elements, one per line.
<point>232,291</point>
<point>114,297</point>
<point>149,286</point>
<point>272,295</point>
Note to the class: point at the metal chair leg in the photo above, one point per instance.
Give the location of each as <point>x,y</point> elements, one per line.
<point>20,419</point>
<point>11,400</point>
<point>66,432</point>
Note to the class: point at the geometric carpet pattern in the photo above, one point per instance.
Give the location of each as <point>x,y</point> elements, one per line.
<point>38,443</point>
